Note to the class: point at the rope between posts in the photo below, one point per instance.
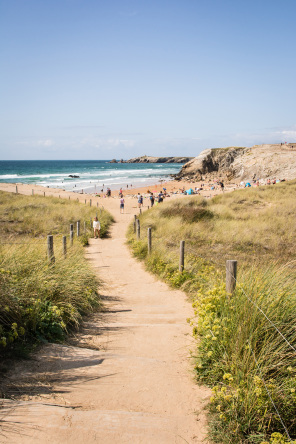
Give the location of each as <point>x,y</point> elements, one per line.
<point>262,312</point>
<point>22,243</point>
<point>269,395</point>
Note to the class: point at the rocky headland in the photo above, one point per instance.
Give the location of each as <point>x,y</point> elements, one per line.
<point>152,159</point>
<point>241,163</point>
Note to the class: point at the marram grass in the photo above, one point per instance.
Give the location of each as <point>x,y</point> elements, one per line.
<point>238,351</point>
<point>40,300</point>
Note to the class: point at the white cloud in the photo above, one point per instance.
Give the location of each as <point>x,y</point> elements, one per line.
<point>291,134</point>
<point>45,143</point>
<point>107,143</point>
<point>36,143</point>
<point>120,142</point>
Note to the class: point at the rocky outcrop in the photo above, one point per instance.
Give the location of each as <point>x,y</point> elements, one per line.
<point>151,159</point>
<point>257,162</point>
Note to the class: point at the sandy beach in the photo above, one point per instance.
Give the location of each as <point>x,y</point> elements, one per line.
<point>173,188</point>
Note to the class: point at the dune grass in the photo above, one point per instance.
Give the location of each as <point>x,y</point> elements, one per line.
<point>37,216</point>
<point>40,300</point>
<point>238,351</point>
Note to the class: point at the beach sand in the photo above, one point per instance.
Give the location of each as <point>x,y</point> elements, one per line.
<point>173,190</point>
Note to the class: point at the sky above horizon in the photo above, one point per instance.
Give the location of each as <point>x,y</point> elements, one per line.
<point>92,79</point>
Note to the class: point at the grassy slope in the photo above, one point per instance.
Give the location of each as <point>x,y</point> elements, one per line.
<point>39,300</point>
<point>238,351</point>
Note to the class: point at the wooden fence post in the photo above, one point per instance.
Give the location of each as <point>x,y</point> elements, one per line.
<point>50,253</point>
<point>65,245</point>
<point>231,272</point>
<point>149,241</point>
<point>16,191</point>
<point>140,211</point>
<point>71,227</point>
<point>78,228</point>
<point>181,261</point>
<point>85,201</point>
<point>90,202</point>
<point>97,204</point>
<point>71,238</point>
<point>32,192</point>
<point>138,229</point>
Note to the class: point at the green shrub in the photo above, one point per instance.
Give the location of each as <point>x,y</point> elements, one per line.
<point>188,213</point>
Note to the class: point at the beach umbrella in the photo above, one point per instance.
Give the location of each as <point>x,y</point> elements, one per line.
<point>190,191</point>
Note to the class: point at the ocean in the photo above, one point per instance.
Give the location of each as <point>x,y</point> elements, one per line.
<point>94,175</point>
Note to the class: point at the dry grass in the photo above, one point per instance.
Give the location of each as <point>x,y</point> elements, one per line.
<point>256,227</point>
<point>40,300</point>
<point>250,225</point>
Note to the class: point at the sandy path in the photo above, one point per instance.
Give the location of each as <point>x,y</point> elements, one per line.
<point>127,377</point>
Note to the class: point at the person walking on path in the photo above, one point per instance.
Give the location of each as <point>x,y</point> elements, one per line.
<point>122,205</point>
<point>96,227</point>
<point>140,200</point>
<point>151,199</point>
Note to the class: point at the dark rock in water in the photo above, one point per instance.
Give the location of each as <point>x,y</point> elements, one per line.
<point>113,161</point>
<point>73,176</point>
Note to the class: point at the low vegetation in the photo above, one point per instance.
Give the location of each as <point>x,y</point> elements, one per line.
<point>41,300</point>
<point>245,342</point>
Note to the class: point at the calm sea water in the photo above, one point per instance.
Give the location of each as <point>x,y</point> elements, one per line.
<point>93,174</point>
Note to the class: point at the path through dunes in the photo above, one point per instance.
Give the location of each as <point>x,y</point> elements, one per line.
<point>127,377</point>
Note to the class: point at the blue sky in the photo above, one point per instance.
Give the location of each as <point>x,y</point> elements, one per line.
<point>92,79</point>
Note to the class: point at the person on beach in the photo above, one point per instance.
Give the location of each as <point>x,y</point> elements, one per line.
<point>152,199</point>
<point>140,200</point>
<point>121,204</point>
<point>96,227</point>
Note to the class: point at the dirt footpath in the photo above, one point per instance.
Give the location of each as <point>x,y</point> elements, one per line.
<point>127,377</point>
